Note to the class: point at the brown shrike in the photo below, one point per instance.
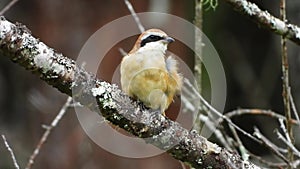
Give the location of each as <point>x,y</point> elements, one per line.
<point>147,74</point>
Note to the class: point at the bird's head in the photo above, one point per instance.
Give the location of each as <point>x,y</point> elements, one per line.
<point>152,38</point>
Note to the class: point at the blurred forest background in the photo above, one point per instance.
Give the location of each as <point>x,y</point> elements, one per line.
<point>250,56</point>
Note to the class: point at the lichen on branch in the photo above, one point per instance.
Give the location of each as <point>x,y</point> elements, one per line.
<point>266,20</point>
<point>17,43</point>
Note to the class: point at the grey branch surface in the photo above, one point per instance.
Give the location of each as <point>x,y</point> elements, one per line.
<point>266,20</point>
<point>17,43</point>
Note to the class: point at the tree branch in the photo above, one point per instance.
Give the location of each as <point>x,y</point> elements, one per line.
<point>47,132</point>
<point>8,6</point>
<point>266,20</point>
<point>17,43</point>
<point>11,152</point>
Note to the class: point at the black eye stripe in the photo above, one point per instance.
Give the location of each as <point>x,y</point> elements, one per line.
<point>151,38</point>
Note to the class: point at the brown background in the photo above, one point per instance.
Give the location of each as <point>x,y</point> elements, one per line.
<point>250,55</point>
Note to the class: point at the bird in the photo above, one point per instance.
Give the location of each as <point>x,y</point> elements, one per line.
<point>147,74</point>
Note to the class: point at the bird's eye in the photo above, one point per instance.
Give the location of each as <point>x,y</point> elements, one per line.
<point>151,38</point>
<point>154,38</point>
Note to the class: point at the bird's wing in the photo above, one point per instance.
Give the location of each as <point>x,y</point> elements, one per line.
<point>171,64</point>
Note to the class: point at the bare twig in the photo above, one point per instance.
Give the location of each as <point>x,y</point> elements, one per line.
<point>47,132</point>
<point>294,108</point>
<point>228,141</point>
<point>266,20</point>
<point>284,129</point>
<point>201,117</point>
<point>198,43</point>
<point>8,6</point>
<point>261,112</point>
<point>198,56</point>
<point>122,52</point>
<point>135,17</point>
<point>270,145</point>
<point>11,152</point>
<point>208,108</point>
<point>188,99</point>
<point>274,164</point>
<point>243,150</point>
<point>285,81</point>
<point>288,143</point>
<point>286,139</point>
<point>217,132</point>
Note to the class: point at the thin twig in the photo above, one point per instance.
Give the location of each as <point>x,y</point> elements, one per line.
<point>122,52</point>
<point>268,113</point>
<point>75,104</point>
<point>47,132</point>
<point>11,152</point>
<point>243,150</point>
<point>201,117</point>
<point>206,105</point>
<point>272,164</point>
<point>217,132</point>
<point>198,56</point>
<point>198,43</point>
<point>284,129</point>
<point>270,145</point>
<point>229,142</point>
<point>8,6</point>
<point>135,17</point>
<point>279,149</point>
<point>286,139</point>
<point>294,108</point>
<point>285,80</point>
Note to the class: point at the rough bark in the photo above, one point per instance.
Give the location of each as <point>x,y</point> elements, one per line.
<point>17,43</point>
<point>266,20</point>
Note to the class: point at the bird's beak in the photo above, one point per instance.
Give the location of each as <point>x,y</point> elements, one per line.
<point>168,39</point>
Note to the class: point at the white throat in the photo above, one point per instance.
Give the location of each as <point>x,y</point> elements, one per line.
<point>158,46</point>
